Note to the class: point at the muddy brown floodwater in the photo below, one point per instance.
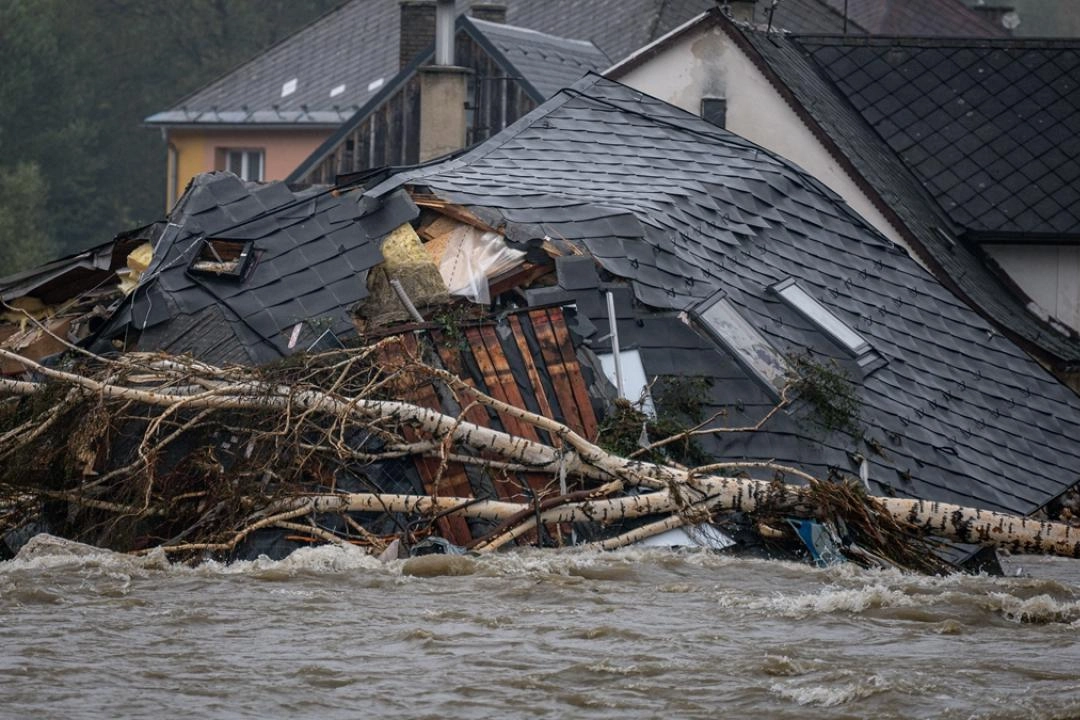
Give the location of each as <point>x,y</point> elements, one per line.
<point>330,633</point>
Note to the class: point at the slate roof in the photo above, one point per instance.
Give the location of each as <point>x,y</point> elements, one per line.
<point>673,209</point>
<point>807,16</point>
<point>540,63</point>
<point>992,129</point>
<point>312,251</point>
<point>546,62</point>
<point>356,46</point>
<point>942,18</point>
<point>933,234</point>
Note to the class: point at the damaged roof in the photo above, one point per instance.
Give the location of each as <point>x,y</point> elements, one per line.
<point>934,234</point>
<point>674,210</point>
<point>310,253</point>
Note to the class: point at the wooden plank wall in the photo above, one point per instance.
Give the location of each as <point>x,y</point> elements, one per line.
<point>548,380</point>
<point>390,134</point>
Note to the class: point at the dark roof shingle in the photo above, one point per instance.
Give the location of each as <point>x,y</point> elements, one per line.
<point>546,62</point>
<point>992,129</point>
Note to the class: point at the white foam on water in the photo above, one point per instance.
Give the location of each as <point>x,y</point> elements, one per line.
<point>829,695</point>
<point>829,600</point>
<point>1038,609</point>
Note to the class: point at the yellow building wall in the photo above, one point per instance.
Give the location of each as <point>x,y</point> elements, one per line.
<point>194,151</point>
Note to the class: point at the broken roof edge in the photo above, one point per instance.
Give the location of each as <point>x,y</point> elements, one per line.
<point>463,22</point>
<point>577,91</point>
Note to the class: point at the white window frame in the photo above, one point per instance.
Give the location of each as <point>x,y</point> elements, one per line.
<point>246,157</point>
<point>797,298</point>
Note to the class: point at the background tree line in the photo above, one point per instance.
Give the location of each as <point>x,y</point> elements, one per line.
<point>76,80</point>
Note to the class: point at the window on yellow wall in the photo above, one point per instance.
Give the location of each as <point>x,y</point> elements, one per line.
<point>245,163</point>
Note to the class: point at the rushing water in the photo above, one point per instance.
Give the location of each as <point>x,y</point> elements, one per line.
<point>332,633</point>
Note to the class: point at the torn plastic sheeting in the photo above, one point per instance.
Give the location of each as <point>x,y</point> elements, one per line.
<point>468,257</point>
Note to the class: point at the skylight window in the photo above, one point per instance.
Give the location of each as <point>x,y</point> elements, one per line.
<point>375,84</point>
<point>807,306</point>
<point>338,89</point>
<point>718,316</point>
<point>288,88</point>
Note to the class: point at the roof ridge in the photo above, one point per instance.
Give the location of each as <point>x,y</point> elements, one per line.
<point>485,24</point>
<point>936,41</point>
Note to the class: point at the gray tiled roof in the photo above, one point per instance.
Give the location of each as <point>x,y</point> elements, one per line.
<point>546,62</point>
<point>941,18</point>
<point>807,16</point>
<point>677,209</point>
<point>892,179</point>
<point>312,254</point>
<point>991,128</point>
<point>356,46</point>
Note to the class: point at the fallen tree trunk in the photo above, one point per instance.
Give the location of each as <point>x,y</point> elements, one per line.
<point>298,427</point>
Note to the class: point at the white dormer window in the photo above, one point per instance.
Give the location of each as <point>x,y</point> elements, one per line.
<point>808,306</point>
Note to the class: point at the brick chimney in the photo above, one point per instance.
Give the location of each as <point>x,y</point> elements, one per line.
<point>417,29</point>
<point>491,11</point>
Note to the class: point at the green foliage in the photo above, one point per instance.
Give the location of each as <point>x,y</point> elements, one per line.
<point>24,237</point>
<point>829,392</point>
<point>679,405</point>
<point>78,79</point>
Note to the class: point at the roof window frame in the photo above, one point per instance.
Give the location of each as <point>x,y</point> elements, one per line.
<point>222,259</point>
<point>733,333</point>
<point>796,297</point>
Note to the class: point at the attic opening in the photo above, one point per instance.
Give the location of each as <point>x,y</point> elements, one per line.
<point>222,259</point>
<point>714,110</point>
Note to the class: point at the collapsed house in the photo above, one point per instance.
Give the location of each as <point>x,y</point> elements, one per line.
<point>610,245</point>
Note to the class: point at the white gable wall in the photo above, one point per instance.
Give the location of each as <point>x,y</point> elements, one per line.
<point>706,63</point>
<point>1048,274</point>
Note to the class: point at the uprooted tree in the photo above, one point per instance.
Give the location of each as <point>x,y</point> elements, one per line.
<point>147,450</point>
